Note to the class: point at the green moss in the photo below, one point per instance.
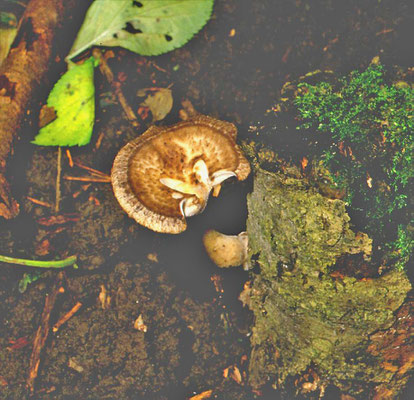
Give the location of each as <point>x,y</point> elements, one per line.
<point>305,314</point>
<point>370,124</point>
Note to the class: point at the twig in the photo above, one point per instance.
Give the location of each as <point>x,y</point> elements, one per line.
<point>99,141</point>
<point>106,71</point>
<point>39,202</point>
<point>42,333</point>
<point>93,171</point>
<point>69,156</point>
<point>40,264</point>
<point>68,315</point>
<point>59,172</point>
<point>88,179</point>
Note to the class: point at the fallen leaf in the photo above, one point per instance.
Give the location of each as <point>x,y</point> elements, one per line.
<point>236,375</point>
<point>159,102</point>
<point>73,99</point>
<point>154,26</point>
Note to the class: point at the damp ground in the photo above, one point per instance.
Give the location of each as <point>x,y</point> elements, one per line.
<point>197,331</point>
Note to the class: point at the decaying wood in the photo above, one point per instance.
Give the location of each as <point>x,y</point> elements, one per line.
<point>395,346</point>
<point>43,332</point>
<point>22,73</point>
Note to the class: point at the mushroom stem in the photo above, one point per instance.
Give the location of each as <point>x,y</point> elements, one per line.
<point>227,250</point>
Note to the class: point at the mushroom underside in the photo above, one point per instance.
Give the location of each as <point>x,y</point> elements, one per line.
<point>167,174</point>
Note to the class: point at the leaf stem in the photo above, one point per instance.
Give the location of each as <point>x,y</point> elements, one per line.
<point>40,264</point>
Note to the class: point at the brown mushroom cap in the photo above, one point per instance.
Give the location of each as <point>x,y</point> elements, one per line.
<point>171,152</point>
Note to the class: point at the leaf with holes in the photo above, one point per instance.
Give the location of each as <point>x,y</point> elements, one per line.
<point>146,27</point>
<point>73,99</point>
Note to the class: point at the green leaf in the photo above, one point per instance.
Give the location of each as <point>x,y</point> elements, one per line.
<point>146,27</point>
<point>73,99</point>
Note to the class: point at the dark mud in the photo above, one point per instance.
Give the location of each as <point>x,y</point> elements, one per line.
<point>194,331</point>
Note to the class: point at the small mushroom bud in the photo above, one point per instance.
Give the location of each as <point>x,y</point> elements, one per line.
<point>227,250</point>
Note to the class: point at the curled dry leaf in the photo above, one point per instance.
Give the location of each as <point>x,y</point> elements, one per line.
<point>234,373</point>
<point>159,102</point>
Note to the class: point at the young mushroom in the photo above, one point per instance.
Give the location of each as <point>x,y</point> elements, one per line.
<point>227,250</point>
<point>167,173</point>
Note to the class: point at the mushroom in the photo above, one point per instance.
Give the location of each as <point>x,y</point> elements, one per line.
<point>227,250</point>
<point>167,173</point>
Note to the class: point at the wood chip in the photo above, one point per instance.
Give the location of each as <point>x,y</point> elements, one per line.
<point>104,298</point>
<point>139,324</point>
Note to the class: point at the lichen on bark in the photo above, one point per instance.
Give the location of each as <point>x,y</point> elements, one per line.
<point>305,313</point>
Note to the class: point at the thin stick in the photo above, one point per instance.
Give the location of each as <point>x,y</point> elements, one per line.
<point>106,71</point>
<point>88,179</point>
<point>39,202</point>
<point>69,156</point>
<point>42,333</point>
<point>59,172</point>
<point>93,171</point>
<point>67,316</point>
<point>40,264</point>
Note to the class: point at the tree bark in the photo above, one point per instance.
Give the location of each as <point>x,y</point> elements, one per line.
<point>24,71</point>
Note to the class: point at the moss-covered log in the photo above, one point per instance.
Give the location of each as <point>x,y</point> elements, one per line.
<point>309,314</point>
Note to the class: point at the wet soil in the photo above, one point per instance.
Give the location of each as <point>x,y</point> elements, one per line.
<point>196,326</point>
